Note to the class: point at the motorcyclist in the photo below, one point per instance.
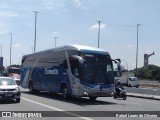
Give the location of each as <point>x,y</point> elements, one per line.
<point>118,86</point>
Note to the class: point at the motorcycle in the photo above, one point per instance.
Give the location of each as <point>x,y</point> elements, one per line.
<point>121,94</point>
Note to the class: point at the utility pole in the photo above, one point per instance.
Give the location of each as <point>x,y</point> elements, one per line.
<point>10,49</point>
<point>99,23</point>
<point>1,50</point>
<point>55,41</point>
<point>35,30</point>
<point>137,49</point>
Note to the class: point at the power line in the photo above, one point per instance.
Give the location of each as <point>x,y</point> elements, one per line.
<point>121,25</point>
<point>152,24</point>
<point>50,12</point>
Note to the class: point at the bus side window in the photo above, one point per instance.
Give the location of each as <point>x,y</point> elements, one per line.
<point>64,64</point>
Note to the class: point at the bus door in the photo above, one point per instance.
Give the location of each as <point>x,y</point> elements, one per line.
<point>24,77</point>
<point>75,69</point>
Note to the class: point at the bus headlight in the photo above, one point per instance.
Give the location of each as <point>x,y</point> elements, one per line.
<point>85,93</point>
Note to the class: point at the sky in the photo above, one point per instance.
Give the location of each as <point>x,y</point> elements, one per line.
<point>75,22</point>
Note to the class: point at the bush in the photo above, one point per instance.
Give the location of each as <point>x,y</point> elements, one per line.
<point>153,72</point>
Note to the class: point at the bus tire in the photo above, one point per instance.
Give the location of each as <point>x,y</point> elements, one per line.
<point>30,87</point>
<point>65,94</point>
<point>92,98</point>
<point>31,90</point>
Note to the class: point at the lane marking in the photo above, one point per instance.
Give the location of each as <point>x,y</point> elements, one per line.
<point>57,109</point>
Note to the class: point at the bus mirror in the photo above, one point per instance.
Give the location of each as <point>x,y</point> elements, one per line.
<point>78,58</point>
<point>119,60</point>
<point>117,63</point>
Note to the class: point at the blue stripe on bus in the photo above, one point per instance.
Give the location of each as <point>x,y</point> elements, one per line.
<point>95,51</point>
<point>50,81</point>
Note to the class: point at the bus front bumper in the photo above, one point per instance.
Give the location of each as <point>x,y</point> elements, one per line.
<point>108,92</point>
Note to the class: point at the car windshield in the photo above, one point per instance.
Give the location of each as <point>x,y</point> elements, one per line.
<point>135,79</point>
<point>7,81</point>
<point>97,69</point>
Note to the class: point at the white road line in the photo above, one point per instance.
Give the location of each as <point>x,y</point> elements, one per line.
<point>57,109</point>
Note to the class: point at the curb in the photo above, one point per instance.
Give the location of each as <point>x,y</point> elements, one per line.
<point>146,96</point>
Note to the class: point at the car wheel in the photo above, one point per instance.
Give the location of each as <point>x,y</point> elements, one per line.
<point>18,100</point>
<point>92,98</point>
<point>115,96</point>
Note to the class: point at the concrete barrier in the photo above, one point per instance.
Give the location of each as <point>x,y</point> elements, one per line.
<point>154,85</point>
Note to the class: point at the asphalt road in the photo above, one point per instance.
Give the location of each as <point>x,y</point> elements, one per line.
<point>47,102</point>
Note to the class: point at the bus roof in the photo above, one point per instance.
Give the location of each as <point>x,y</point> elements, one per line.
<point>76,47</point>
<point>13,68</point>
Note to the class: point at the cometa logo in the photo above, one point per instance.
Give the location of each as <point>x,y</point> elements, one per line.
<point>54,71</point>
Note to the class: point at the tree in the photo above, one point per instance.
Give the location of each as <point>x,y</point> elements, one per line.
<point>153,72</point>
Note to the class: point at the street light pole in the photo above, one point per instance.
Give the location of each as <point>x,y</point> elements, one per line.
<point>10,49</point>
<point>35,30</point>
<point>99,23</point>
<point>55,41</point>
<point>126,64</point>
<point>1,50</point>
<point>137,50</point>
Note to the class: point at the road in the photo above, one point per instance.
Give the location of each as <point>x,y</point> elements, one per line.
<point>47,102</point>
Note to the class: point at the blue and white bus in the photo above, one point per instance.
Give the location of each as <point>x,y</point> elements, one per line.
<point>72,70</point>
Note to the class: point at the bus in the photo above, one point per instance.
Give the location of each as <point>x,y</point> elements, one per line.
<point>71,70</point>
<point>14,72</point>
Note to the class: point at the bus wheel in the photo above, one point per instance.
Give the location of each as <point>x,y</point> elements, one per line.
<point>92,98</point>
<point>30,88</point>
<point>65,92</point>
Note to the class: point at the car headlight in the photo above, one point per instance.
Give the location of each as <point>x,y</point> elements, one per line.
<point>17,89</point>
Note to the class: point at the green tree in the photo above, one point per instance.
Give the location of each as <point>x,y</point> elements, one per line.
<point>153,72</point>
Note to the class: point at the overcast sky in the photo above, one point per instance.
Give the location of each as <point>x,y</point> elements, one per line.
<point>75,22</point>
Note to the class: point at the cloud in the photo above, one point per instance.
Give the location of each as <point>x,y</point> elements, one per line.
<point>78,2</point>
<point>4,28</point>
<point>55,33</point>
<point>113,46</point>
<point>130,46</point>
<point>148,51</point>
<point>17,45</point>
<point>8,14</point>
<point>96,26</point>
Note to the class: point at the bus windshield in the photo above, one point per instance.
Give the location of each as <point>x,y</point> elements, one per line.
<point>97,69</point>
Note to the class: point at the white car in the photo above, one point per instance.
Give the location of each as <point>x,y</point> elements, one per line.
<point>133,82</point>
<point>9,89</point>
